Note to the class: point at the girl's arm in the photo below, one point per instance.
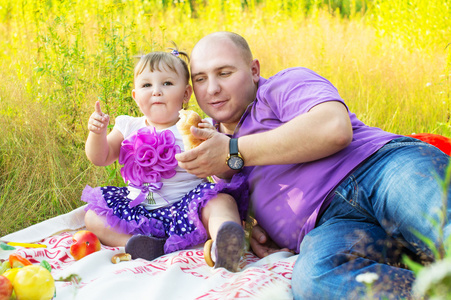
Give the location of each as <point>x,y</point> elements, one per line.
<point>102,149</point>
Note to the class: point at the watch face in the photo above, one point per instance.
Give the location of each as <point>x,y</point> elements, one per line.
<point>235,163</point>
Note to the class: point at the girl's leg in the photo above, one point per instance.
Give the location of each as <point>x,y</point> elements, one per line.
<point>221,219</point>
<point>108,236</point>
<point>217,211</point>
<point>138,219</point>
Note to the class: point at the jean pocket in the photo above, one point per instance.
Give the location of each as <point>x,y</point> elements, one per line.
<point>348,192</point>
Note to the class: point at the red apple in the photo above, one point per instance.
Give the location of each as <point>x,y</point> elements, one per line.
<point>84,243</point>
<point>6,288</point>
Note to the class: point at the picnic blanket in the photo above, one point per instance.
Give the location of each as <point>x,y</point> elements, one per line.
<point>179,275</point>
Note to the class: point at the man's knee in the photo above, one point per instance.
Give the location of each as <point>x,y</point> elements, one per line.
<point>303,280</point>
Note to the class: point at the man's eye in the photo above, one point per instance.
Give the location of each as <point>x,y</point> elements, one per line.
<point>199,79</point>
<point>225,74</point>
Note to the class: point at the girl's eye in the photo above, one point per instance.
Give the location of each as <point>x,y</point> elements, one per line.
<point>167,83</point>
<point>147,85</point>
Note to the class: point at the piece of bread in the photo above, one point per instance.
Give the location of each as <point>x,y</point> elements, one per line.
<point>188,118</point>
<point>117,258</point>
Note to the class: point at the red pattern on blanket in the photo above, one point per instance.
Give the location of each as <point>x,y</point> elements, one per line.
<point>248,283</point>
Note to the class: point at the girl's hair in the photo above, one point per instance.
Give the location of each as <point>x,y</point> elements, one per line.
<point>156,60</point>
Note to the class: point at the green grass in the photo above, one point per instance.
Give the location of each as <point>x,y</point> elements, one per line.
<point>389,60</point>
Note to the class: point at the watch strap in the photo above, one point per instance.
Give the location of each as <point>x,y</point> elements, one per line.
<point>233,146</point>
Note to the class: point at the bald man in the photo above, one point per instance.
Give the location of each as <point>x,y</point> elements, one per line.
<point>323,184</point>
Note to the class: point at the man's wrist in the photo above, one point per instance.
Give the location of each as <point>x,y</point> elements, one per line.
<point>234,160</point>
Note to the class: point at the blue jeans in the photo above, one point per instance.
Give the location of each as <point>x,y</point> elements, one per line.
<point>371,222</point>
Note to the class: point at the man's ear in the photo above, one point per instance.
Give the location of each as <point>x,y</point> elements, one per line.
<point>188,93</point>
<point>255,69</point>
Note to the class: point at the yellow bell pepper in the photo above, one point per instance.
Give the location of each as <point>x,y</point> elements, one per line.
<point>33,282</point>
<point>11,274</point>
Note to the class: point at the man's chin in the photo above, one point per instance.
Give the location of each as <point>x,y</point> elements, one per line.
<point>218,115</point>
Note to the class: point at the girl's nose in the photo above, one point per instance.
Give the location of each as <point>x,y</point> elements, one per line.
<point>156,91</point>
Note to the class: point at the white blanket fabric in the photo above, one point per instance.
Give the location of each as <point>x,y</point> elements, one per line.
<point>179,275</point>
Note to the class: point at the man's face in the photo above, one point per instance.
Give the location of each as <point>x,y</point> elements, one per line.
<point>224,83</point>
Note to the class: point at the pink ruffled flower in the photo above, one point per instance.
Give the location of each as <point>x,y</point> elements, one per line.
<point>147,156</point>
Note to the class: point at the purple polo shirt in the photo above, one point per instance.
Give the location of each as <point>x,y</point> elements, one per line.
<point>287,199</point>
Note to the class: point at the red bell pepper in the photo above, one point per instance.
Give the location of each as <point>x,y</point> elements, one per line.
<point>18,261</point>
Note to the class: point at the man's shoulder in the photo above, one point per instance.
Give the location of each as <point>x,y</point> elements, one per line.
<point>288,77</point>
<point>295,73</point>
<point>295,77</point>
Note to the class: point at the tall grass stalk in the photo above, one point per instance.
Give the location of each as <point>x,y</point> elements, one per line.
<point>432,279</point>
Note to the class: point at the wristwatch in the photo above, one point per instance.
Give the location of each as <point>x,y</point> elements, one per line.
<point>235,161</point>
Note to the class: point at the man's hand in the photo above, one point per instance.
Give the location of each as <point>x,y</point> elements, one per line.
<point>209,158</point>
<point>98,121</point>
<point>262,245</point>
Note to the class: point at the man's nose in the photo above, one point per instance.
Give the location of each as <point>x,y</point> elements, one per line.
<point>213,87</point>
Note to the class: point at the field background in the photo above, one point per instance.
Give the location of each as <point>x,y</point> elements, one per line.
<point>389,59</point>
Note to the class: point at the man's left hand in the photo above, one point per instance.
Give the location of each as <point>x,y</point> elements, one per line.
<point>209,158</point>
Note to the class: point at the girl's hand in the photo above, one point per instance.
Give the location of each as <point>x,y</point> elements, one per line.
<point>205,124</point>
<point>98,121</point>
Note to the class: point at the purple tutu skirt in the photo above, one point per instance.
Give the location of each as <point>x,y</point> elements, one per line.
<point>180,223</point>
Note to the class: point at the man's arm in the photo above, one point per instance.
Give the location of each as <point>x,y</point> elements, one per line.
<point>323,131</point>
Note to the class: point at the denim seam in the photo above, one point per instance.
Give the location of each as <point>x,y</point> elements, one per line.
<point>353,202</point>
<point>400,144</point>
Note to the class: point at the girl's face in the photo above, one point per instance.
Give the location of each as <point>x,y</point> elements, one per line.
<point>160,95</point>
